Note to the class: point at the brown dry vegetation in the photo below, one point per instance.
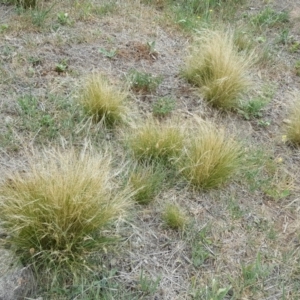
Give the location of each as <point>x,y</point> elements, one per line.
<point>242,236</point>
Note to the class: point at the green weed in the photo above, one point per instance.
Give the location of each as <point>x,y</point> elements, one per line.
<point>143,82</point>
<point>163,107</point>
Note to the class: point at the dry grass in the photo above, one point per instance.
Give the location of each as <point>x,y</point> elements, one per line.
<point>293,127</point>
<point>56,211</point>
<point>218,69</point>
<point>103,101</point>
<point>154,140</point>
<point>210,157</point>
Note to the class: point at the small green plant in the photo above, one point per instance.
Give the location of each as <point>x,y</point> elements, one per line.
<point>163,107</point>
<point>146,180</point>
<point>55,212</point>
<point>294,47</point>
<point>174,216</point>
<point>210,157</point>
<point>253,108</point>
<point>62,66</point>
<point>63,18</point>
<point>270,18</point>
<point>109,54</point>
<point>143,82</point>
<point>3,27</point>
<point>153,140</point>
<point>213,291</point>
<point>103,101</point>
<point>292,128</point>
<point>218,69</point>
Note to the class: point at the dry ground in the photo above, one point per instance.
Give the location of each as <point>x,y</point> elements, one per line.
<point>244,236</point>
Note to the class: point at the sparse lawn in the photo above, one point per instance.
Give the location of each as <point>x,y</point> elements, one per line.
<point>138,200</point>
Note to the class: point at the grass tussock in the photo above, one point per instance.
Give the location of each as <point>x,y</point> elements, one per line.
<point>174,216</point>
<point>218,69</point>
<point>210,157</point>
<point>103,101</point>
<point>56,211</point>
<point>293,126</point>
<point>154,140</point>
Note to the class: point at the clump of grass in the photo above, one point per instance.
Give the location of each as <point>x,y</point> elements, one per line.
<point>143,82</point>
<point>293,126</point>
<point>103,101</point>
<point>56,211</point>
<point>174,216</point>
<point>218,69</point>
<point>146,180</point>
<point>210,157</point>
<point>154,140</point>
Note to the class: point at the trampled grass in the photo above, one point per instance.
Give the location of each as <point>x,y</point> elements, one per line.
<point>210,157</point>
<point>217,68</point>
<point>55,212</point>
<point>103,101</point>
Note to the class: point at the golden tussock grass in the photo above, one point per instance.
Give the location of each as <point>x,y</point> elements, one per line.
<point>55,212</point>
<point>103,101</point>
<point>155,140</point>
<point>210,157</point>
<point>217,68</point>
